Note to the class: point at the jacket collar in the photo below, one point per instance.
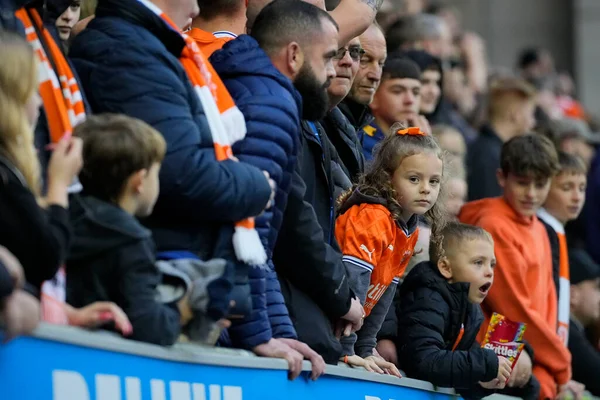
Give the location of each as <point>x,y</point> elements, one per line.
<point>136,13</point>
<point>108,216</point>
<point>456,295</point>
<point>489,132</point>
<point>359,115</point>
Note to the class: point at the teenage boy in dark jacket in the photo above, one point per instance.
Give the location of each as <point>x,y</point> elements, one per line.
<point>439,315</point>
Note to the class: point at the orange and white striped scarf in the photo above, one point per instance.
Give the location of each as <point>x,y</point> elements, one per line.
<point>59,90</point>
<point>227,126</point>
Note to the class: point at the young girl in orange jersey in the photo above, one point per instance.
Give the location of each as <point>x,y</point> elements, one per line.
<point>377,230</point>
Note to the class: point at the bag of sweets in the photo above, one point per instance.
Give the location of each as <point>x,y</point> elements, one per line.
<point>505,338</point>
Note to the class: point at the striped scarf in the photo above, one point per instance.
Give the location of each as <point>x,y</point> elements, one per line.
<point>227,126</point>
<point>59,90</point>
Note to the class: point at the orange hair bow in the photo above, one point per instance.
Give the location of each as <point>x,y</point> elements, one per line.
<point>412,131</point>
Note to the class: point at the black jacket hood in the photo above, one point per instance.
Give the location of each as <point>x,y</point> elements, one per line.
<point>100,226</point>
<point>426,274</point>
<point>357,198</point>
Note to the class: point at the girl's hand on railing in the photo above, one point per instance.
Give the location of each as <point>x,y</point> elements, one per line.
<point>387,367</point>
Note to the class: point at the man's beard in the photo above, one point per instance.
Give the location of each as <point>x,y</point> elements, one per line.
<point>314,94</point>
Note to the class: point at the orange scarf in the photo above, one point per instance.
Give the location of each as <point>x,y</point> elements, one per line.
<point>59,90</point>
<point>227,126</point>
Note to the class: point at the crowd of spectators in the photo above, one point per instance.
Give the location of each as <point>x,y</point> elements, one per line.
<point>341,181</point>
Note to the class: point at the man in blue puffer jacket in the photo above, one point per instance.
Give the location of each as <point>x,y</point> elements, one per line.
<point>270,92</point>
<point>128,62</point>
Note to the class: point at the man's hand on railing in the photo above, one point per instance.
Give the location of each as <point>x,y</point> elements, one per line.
<point>386,348</point>
<point>277,349</point>
<point>352,321</point>
<point>317,362</point>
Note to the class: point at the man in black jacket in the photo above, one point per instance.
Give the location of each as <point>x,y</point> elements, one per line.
<point>313,277</point>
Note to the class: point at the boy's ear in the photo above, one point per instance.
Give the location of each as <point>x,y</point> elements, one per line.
<point>445,268</point>
<point>500,177</point>
<point>136,181</point>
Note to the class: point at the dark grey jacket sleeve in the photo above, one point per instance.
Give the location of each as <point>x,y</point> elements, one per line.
<point>358,279</point>
<point>367,335</point>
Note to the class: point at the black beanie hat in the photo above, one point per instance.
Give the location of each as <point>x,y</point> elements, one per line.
<point>401,68</point>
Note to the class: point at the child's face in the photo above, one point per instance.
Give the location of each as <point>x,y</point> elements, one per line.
<point>148,191</point>
<point>417,183</point>
<point>457,196</point>
<point>524,194</point>
<point>454,143</point>
<point>523,116</point>
<point>474,263</point>
<point>585,301</point>
<point>566,197</point>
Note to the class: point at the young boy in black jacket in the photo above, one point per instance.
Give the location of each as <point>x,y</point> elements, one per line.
<point>439,315</point>
<point>112,257</point>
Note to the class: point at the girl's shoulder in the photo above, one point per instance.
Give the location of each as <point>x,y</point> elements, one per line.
<point>370,212</point>
<point>366,220</point>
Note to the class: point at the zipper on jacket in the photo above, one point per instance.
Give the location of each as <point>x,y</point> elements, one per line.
<point>315,130</point>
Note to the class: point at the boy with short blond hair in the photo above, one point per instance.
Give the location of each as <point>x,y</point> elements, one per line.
<point>439,315</point>
<point>564,203</point>
<point>524,288</point>
<point>112,255</point>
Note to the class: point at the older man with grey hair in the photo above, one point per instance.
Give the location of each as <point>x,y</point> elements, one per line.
<point>420,32</point>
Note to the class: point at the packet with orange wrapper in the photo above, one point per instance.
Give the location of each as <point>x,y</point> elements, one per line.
<point>505,338</point>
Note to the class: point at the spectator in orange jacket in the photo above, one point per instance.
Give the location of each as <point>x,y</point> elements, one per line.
<point>219,22</point>
<point>524,287</point>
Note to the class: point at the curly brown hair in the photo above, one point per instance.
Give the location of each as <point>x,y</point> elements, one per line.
<point>377,181</point>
